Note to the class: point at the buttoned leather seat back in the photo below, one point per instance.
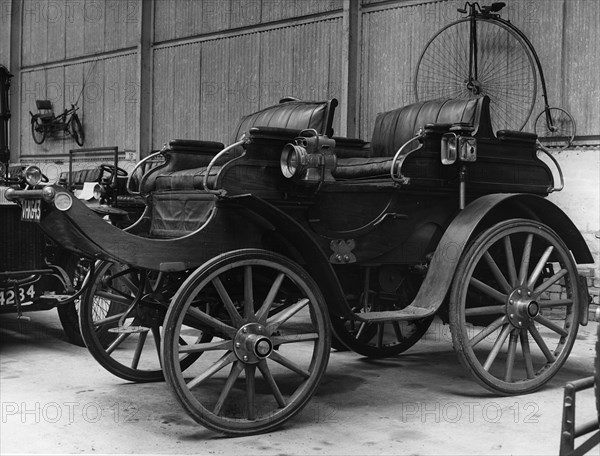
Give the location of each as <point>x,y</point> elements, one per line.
<point>393,128</point>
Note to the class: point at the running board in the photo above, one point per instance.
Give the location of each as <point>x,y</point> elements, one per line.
<point>408,313</point>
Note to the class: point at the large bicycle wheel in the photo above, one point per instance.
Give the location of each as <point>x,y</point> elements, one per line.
<point>506,70</point>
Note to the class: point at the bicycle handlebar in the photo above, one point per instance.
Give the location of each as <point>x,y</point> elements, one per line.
<point>473,7</point>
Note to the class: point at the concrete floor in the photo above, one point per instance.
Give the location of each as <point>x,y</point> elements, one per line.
<point>57,399</point>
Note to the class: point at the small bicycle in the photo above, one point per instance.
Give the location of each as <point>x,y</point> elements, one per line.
<point>45,123</point>
<point>483,54</point>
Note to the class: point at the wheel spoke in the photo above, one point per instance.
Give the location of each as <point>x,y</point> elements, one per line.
<point>496,272</point>
<point>486,310</point>
<point>361,328</point>
<point>491,292</point>
<point>397,331</point>
<point>236,369</point>
<point>380,335</point>
<point>276,321</point>
<point>118,341</point>
<point>277,357</point>
<point>525,260</point>
<point>108,320</point>
<point>223,361</point>
<point>248,295</point>
<point>156,335</point>
<point>540,342</point>
<point>138,349</point>
<point>548,283</point>
<point>555,303</point>
<point>264,370</point>
<point>251,391</point>
<point>551,325</point>
<point>292,338</point>
<point>263,312</point>
<point>539,267</point>
<point>496,348</point>
<point>114,297</point>
<point>208,346</point>
<point>527,354</point>
<point>211,321</point>
<point>510,261</point>
<point>487,331</point>
<point>227,302</point>
<point>510,360</point>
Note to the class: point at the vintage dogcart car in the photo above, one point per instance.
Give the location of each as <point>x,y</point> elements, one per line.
<point>247,256</point>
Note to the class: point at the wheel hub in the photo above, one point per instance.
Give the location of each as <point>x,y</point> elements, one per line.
<point>521,307</point>
<point>251,343</point>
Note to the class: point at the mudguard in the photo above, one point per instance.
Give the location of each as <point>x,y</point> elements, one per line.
<point>480,213</point>
<point>302,248</point>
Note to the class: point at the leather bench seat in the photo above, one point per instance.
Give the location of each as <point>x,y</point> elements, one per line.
<point>79,177</point>
<point>393,128</point>
<point>188,173</point>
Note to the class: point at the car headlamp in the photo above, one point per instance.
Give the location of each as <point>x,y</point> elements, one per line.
<point>63,201</point>
<point>310,157</point>
<point>98,191</point>
<point>33,175</point>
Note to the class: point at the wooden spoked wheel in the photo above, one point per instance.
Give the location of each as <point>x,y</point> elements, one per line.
<point>121,318</point>
<point>270,347</point>
<point>514,306</point>
<point>386,338</point>
<point>597,383</point>
<point>381,339</point>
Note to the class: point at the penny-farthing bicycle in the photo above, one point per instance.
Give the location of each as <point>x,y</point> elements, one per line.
<point>483,54</point>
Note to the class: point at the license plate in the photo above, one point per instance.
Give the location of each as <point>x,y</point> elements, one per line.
<point>26,295</point>
<point>31,210</point>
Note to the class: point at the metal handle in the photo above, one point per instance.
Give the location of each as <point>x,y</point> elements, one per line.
<point>400,178</point>
<point>140,163</point>
<point>560,173</point>
<point>241,141</point>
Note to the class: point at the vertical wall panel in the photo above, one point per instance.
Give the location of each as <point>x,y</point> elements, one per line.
<point>162,95</point>
<point>93,26</point>
<point>582,71</point>
<point>74,29</point>
<point>5,28</point>
<point>35,31</point>
<point>33,87</point>
<point>243,78</point>
<point>56,19</point>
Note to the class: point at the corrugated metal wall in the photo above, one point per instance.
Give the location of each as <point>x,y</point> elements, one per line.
<point>565,35</point>
<point>203,88</point>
